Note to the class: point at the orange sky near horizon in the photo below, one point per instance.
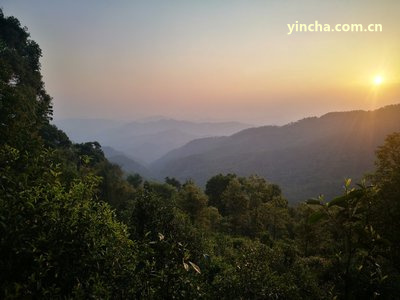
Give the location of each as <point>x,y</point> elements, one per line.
<point>213,60</point>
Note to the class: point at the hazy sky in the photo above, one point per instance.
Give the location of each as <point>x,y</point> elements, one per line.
<point>212,60</point>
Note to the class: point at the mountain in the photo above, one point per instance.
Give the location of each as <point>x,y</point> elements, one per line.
<point>84,130</point>
<point>305,158</point>
<point>127,164</point>
<point>145,141</point>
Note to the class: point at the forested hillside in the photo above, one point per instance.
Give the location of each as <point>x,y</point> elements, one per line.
<point>127,164</point>
<point>306,158</point>
<point>146,140</point>
<point>73,227</point>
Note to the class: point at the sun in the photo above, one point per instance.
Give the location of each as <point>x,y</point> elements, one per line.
<point>378,80</point>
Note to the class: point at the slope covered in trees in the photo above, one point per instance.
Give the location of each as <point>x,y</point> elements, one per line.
<point>127,164</point>
<point>306,158</point>
<point>145,140</point>
<point>71,226</point>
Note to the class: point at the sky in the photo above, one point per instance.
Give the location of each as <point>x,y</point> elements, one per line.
<point>212,60</point>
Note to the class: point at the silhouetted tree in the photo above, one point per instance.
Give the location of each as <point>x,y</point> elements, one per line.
<point>135,180</point>
<point>173,181</point>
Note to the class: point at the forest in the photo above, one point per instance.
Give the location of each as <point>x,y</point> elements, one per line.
<point>73,225</point>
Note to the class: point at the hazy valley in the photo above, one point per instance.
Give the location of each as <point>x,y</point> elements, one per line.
<point>306,158</point>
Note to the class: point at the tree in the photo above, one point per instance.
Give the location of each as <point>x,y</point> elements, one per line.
<point>113,188</point>
<point>169,246</point>
<point>59,242</point>
<point>174,182</point>
<point>257,271</point>
<point>311,237</point>
<point>25,105</point>
<point>387,179</point>
<point>272,218</point>
<point>355,246</point>
<point>236,202</point>
<point>54,137</point>
<point>260,191</point>
<point>135,180</point>
<point>215,186</point>
<point>192,200</point>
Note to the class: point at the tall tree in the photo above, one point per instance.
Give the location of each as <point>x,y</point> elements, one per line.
<point>25,105</point>
<point>387,178</point>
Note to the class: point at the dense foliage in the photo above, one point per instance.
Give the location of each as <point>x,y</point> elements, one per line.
<point>72,226</point>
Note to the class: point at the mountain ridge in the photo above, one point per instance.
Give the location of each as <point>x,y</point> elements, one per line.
<point>340,143</point>
<point>145,141</point>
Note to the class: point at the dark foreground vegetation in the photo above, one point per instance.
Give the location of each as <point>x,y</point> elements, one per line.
<point>71,226</point>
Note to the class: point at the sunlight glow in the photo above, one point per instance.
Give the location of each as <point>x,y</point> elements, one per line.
<point>378,80</point>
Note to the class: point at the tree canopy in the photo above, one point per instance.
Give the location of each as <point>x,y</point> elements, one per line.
<point>73,225</point>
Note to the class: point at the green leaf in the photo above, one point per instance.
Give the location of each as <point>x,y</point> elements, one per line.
<point>356,193</point>
<point>342,200</point>
<point>316,217</point>
<point>339,201</point>
<point>313,201</point>
<point>347,183</point>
